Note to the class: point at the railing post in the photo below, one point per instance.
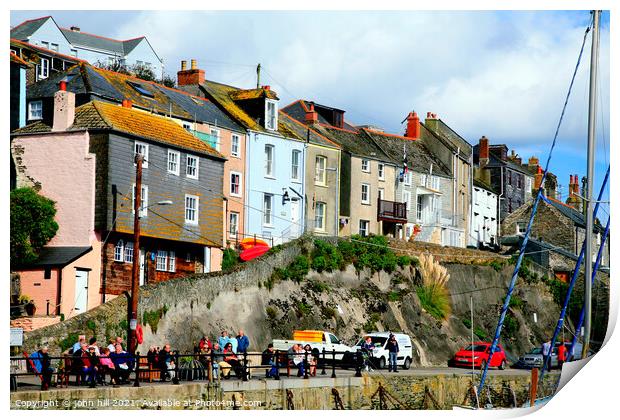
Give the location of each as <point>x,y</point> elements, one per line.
<point>277,375</point>
<point>333,363</point>
<point>306,367</point>
<point>358,364</point>
<point>210,367</point>
<point>245,366</point>
<point>323,368</point>
<point>175,380</point>
<point>136,382</point>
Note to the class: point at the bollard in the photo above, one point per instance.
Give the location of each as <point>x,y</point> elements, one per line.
<point>333,363</point>
<point>245,366</point>
<point>306,367</point>
<point>210,368</point>
<point>175,380</point>
<point>137,380</point>
<point>358,364</point>
<point>276,377</point>
<point>323,369</point>
<point>533,385</point>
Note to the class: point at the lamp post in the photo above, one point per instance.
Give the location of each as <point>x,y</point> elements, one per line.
<point>132,314</point>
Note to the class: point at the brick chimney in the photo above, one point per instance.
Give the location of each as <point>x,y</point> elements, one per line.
<point>312,117</point>
<point>413,126</point>
<point>537,177</point>
<point>573,191</point>
<point>193,76</point>
<point>533,163</point>
<point>483,151</point>
<point>127,103</point>
<point>64,108</point>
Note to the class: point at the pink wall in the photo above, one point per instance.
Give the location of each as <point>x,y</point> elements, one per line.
<point>34,285</point>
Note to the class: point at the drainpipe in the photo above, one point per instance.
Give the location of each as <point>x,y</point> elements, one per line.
<point>499,203</point>
<point>59,294</point>
<point>471,197</point>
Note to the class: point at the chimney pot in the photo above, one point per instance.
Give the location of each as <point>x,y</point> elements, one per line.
<point>193,76</point>
<point>127,103</point>
<point>63,85</point>
<point>413,126</point>
<point>194,64</point>
<point>183,65</point>
<point>268,87</point>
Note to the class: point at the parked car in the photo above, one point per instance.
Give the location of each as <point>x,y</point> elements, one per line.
<point>318,340</point>
<point>534,358</point>
<point>379,357</point>
<point>479,351</point>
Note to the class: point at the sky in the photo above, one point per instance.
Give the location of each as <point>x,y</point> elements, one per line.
<point>502,74</point>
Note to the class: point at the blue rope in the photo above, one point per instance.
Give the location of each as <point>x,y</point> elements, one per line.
<point>515,273</point>
<point>573,280</point>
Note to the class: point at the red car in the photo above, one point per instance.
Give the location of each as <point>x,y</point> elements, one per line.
<point>480,352</point>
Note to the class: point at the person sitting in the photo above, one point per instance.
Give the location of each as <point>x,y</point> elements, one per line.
<point>166,363</point>
<point>217,360</point>
<point>93,343</point>
<point>122,363</point>
<point>298,358</point>
<point>90,365</point>
<point>231,358</point>
<point>204,345</point>
<point>106,366</point>
<point>42,365</point>
<point>78,344</point>
<point>269,358</point>
<point>309,360</point>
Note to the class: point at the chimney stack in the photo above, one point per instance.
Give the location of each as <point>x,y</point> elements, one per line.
<point>193,76</point>
<point>312,117</point>
<point>483,151</point>
<point>64,108</point>
<point>75,29</point>
<point>127,103</point>
<point>537,177</point>
<point>413,126</point>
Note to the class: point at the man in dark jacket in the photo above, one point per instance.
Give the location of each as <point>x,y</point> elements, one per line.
<point>123,363</point>
<point>392,348</point>
<point>243,342</point>
<point>269,358</point>
<point>166,362</point>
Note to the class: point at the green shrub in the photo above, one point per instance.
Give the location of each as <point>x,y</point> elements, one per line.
<point>230,259</point>
<point>435,299</point>
<point>329,312</point>
<point>318,286</point>
<point>497,265</point>
<point>303,309</point>
<point>298,269</point>
<point>480,333</point>
<point>271,312</point>
<point>515,302</point>
<point>67,342</point>
<point>511,325</point>
<point>404,260</point>
<point>371,324</point>
<point>467,322</point>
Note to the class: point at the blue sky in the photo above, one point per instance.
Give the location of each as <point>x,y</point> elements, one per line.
<point>499,74</point>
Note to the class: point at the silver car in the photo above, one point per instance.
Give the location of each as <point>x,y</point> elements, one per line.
<point>534,358</point>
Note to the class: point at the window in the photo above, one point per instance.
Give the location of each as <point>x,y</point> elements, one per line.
<point>518,181</point>
<point>129,252</point>
<point>423,180</point>
<point>509,174</point>
<point>407,179</point>
<point>191,170</point>
<point>271,115</point>
<point>138,87</point>
<point>365,165</point>
<point>419,208</point>
<point>365,193</point>
<point>381,171</point>
<point>162,261</point>
<point>319,216</point>
<point>267,209</point>
<point>235,184</point>
<point>521,227</point>
<point>435,182</point>
<point>172,262</point>
<point>510,205</point>
<point>173,162</point>
<point>295,173</point>
<point>35,110</point>
<point>44,68</point>
<point>54,47</point>
<point>118,251</point>
<point>319,169</point>
<point>142,149</point>
<point>74,53</point>
<point>407,199</point>
<point>215,137</point>
<point>364,224</point>
<point>45,44</point>
<point>234,146</point>
<point>144,200</point>
<point>233,223</point>
<point>187,126</point>
<point>269,160</point>
<point>191,209</point>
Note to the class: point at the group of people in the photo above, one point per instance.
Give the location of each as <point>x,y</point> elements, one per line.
<point>392,348</point>
<point>224,353</point>
<point>562,353</point>
<point>301,357</point>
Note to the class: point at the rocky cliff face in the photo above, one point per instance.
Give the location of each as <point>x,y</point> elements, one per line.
<point>349,303</point>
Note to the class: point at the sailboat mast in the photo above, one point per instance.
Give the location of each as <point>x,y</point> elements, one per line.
<point>590,182</point>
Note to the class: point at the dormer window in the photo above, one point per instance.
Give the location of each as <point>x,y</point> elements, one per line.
<point>141,89</point>
<point>271,114</point>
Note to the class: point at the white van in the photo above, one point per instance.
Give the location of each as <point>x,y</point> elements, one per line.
<point>380,355</point>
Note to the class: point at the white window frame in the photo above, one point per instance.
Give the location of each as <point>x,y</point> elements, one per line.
<point>196,167</point>
<point>366,165</point>
<point>518,228</point>
<point>419,215</point>
<point>381,171</point>
<point>271,121</point>
<point>172,262</point>
<point>218,138</point>
<point>268,209</point>
<point>269,160</point>
<point>128,252</point>
<point>54,47</point>
<point>240,189</point>
<point>232,232</point>
<point>45,44</point>
<point>177,163</point>
<point>367,199</point>
<point>235,139</point>
<point>187,126</point>
<point>31,115</point>
<point>407,199</point>
<point>295,166</point>
<point>319,215</point>
<point>145,156</point>
<point>161,261</point>
<point>407,180</point>
<point>320,174</point>
<point>195,209</point>
<point>144,204</point>
<point>74,52</point>
<point>365,230</point>
<point>119,250</point>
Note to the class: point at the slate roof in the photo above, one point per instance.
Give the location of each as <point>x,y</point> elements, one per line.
<point>28,27</point>
<point>452,138</point>
<point>576,216</point>
<point>419,158</point>
<point>108,116</point>
<point>355,142</point>
<point>298,109</point>
<point>59,256</point>
<point>112,86</point>
<point>481,184</point>
<point>305,133</point>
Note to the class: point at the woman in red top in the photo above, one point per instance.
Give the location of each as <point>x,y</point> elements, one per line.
<point>231,358</point>
<point>561,355</point>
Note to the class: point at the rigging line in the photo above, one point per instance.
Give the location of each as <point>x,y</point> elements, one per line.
<point>531,221</point>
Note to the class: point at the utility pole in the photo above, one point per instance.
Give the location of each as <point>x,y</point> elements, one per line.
<point>258,76</point>
<point>135,268</point>
<point>590,183</point>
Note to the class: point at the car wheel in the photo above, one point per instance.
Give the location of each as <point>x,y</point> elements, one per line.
<point>407,364</point>
<point>381,363</point>
<point>502,365</point>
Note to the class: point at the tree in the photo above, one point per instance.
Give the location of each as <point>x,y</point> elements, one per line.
<point>144,72</point>
<point>32,224</point>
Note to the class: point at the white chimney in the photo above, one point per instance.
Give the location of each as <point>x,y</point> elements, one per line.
<point>64,108</point>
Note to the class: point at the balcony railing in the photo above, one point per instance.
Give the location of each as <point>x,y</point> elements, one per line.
<point>391,211</point>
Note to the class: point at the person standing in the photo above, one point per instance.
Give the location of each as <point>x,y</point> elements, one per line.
<point>46,369</point>
<point>392,348</point>
<point>562,353</point>
<point>223,339</point>
<point>367,348</point>
<point>546,351</point>
<point>243,342</point>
